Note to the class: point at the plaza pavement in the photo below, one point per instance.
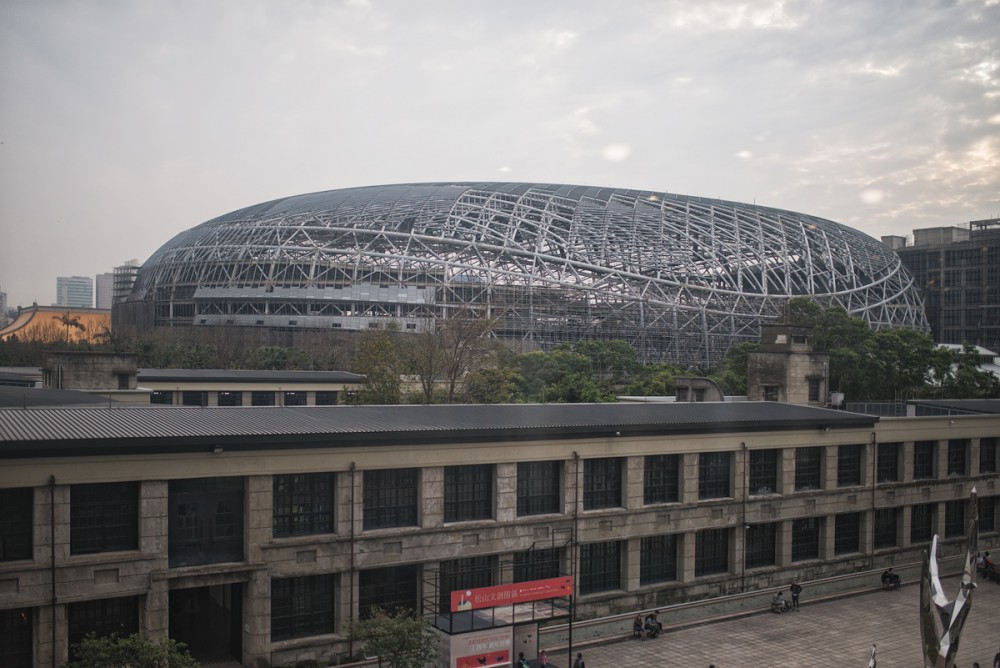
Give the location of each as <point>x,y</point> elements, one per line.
<point>834,633</point>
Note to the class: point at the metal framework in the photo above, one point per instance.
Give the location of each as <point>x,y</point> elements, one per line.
<point>680,278</point>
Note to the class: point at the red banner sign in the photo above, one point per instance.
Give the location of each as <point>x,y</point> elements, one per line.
<point>508,594</point>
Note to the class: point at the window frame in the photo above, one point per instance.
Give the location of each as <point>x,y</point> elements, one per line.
<point>600,567</point>
<point>760,545</point>
<point>302,606</point>
<point>886,531</point>
<point>806,538</point>
<point>923,530</point>
<point>104,517</point>
<point>958,457</point>
<point>661,479</point>
<point>924,456</point>
<point>987,455</point>
<point>17,523</point>
<point>658,559</point>
<point>887,464</point>
<point>303,504</point>
<point>847,533</point>
<point>715,471</point>
<point>850,465</point>
<point>711,553</point>
<point>809,463</point>
<point>468,492</point>
<point>763,467</point>
<point>539,488</point>
<point>390,498</point>
<point>391,588</point>
<point>602,483</point>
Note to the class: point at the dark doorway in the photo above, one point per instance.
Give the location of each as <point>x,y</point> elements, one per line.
<point>209,620</point>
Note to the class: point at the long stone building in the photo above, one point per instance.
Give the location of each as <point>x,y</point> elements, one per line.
<point>260,533</point>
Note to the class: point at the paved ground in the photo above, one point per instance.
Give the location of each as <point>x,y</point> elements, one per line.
<point>827,634</point>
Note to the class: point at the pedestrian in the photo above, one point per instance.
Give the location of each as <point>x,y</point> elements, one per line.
<point>796,589</point>
<point>579,663</point>
<point>996,660</point>
<point>543,659</point>
<point>521,661</point>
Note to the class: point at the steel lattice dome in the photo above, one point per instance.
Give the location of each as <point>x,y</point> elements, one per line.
<point>681,278</point>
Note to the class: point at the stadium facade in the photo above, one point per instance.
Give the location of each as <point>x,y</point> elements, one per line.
<point>680,278</point>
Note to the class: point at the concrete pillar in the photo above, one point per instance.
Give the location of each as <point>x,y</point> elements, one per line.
<point>828,474</point>
<point>686,556</point>
<point>907,464</point>
<point>783,550</point>
<point>905,522</point>
<point>154,541</point>
<point>432,497</point>
<point>634,482</point>
<point>974,448</point>
<point>257,618</point>
<point>573,482</point>
<point>259,515</point>
<point>867,542</point>
<point>786,473</point>
<point>827,534</point>
<point>632,564</point>
<point>689,479</point>
<point>506,492</point>
<point>349,488</point>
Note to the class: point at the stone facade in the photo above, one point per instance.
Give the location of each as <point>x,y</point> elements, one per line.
<point>786,369</point>
<point>350,550</point>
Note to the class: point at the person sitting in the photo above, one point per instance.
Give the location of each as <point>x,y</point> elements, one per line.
<point>778,603</point>
<point>890,580</point>
<point>652,626</point>
<point>638,629</point>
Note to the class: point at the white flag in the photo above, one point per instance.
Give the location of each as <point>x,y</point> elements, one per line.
<point>871,661</point>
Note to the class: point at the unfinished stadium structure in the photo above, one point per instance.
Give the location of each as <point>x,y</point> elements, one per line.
<point>680,278</point>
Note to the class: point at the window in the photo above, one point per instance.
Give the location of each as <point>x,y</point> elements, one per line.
<point>15,523</point>
<point>847,533</point>
<point>194,398</point>
<point>103,517</point>
<point>658,559</point>
<point>887,468</point>
<point>326,398</point>
<point>886,532</point>
<point>660,479</point>
<point>123,381</point>
<point>988,455</point>
<point>102,618</point>
<point>713,475</point>
<point>954,518</point>
<point>923,460</point>
<point>536,564</point>
<point>805,539</point>
<point>538,488</point>
<point>602,483</point>
<point>849,463</point>
<point>205,517</point>
<point>771,392</point>
<point>262,398</point>
<point>390,498</point>
<point>764,471</point>
<point>921,522</point>
<point>600,567</point>
<point>467,573</point>
<point>161,397</point>
<point>303,504</point>
<point>957,457</point>
<point>808,468</point>
<point>468,493</point>
<point>988,514</point>
<point>230,399</point>
<point>301,606</point>
<point>15,638</point>
<point>760,545</point>
<point>392,589</point>
<point>295,398</point>
<point>814,386</point>
<point>711,552</point>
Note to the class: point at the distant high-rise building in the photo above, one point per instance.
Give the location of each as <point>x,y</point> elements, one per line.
<point>958,270</point>
<point>75,291</point>
<point>3,308</point>
<point>124,279</point>
<point>105,289</point>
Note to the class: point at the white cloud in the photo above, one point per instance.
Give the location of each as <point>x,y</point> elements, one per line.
<point>616,152</point>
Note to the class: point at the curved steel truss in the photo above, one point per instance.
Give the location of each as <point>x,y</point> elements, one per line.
<point>681,278</point>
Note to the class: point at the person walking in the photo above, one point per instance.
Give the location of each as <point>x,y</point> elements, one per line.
<point>543,659</point>
<point>579,663</point>
<point>796,589</point>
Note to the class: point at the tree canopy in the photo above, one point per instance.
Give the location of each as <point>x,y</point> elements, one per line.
<point>134,651</point>
<point>398,638</point>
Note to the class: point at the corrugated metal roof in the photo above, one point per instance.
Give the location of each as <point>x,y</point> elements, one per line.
<point>247,375</point>
<point>32,432</point>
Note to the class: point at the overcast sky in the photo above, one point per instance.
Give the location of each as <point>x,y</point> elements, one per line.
<point>125,122</point>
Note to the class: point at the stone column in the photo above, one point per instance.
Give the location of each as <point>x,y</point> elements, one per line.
<point>506,495</point>
<point>685,557</point>
<point>154,540</point>
<point>783,549</point>
<point>432,487</point>
<point>786,477</point>
<point>634,482</point>
<point>906,464</point>
<point>631,564</point>
<point>689,478</point>
<point>259,515</point>
<point>257,618</point>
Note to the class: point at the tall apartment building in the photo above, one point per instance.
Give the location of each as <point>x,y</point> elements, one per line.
<point>75,291</point>
<point>3,308</point>
<point>124,278</point>
<point>105,284</point>
<point>958,271</point>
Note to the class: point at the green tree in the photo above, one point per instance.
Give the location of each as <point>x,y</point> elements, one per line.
<point>134,651</point>
<point>493,385</point>
<point>964,379</point>
<point>400,639</point>
<point>379,360</point>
